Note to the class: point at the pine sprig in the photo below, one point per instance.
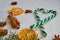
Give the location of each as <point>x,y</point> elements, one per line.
<point>12,36</point>
<point>1,34</point>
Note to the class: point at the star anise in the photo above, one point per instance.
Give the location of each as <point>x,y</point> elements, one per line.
<point>57,37</point>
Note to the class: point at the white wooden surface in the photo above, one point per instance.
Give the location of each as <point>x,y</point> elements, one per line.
<point>52,27</point>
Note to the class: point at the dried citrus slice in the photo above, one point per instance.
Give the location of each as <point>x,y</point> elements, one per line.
<point>27,34</point>
<point>16,11</point>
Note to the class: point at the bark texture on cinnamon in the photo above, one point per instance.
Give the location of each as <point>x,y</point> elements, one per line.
<point>13,21</point>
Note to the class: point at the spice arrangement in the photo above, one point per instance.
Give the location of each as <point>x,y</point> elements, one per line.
<point>57,37</point>
<point>27,33</point>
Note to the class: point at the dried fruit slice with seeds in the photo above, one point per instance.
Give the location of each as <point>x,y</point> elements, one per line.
<point>27,34</point>
<point>16,11</point>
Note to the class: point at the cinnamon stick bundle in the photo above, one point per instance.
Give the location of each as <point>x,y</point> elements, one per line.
<point>13,21</point>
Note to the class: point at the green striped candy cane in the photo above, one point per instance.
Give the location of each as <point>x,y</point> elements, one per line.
<point>41,22</point>
<point>41,25</point>
<point>43,10</point>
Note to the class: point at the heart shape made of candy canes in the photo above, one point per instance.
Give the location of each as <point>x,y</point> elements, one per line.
<point>41,22</point>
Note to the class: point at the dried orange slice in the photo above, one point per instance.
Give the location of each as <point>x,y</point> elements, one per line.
<point>16,11</point>
<point>27,34</point>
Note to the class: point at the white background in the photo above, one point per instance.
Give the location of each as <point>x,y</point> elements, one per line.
<point>52,27</point>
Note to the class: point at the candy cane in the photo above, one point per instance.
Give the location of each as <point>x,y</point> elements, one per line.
<point>41,25</point>
<point>41,22</point>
